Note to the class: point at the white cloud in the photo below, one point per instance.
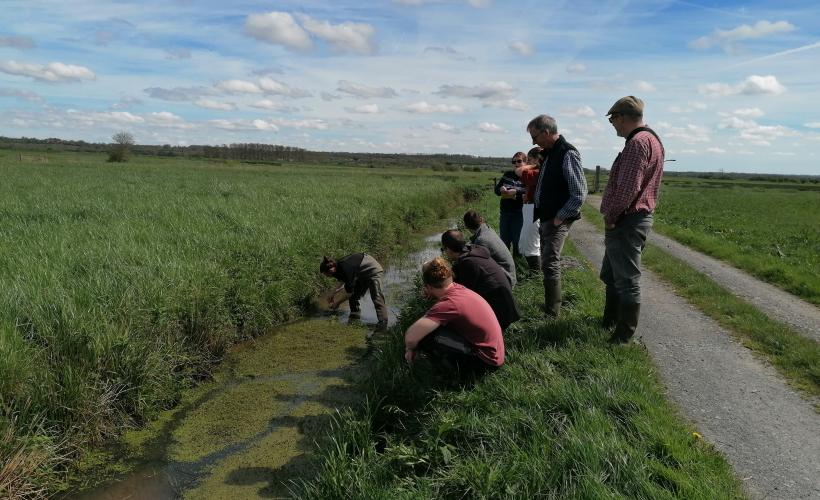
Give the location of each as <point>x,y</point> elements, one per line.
<point>273,106</point>
<point>479,4</point>
<point>425,107</point>
<point>314,124</point>
<point>576,68</point>
<point>17,42</point>
<point>450,52</point>
<point>271,86</point>
<point>754,133</point>
<point>263,125</point>
<point>688,134</point>
<point>490,128</point>
<point>492,91</point>
<point>238,87</point>
<point>785,153</point>
<point>327,96</point>
<point>54,72</point>
<point>522,48</point>
<point>579,111</point>
<point>177,94</point>
<point>178,54</point>
<point>716,150</point>
<point>644,86</point>
<point>365,92</point>
<point>167,119</point>
<point>345,37</point>
<point>507,104</point>
<point>444,127</point>
<point>728,38</point>
<point>753,85</point>
<point>211,104</point>
<point>278,28</point>
<point>749,112</point>
<point>812,125</point>
<point>368,109</point>
<point>20,94</point>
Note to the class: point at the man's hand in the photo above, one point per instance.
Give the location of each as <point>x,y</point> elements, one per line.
<point>610,226</point>
<point>409,356</point>
<point>557,222</point>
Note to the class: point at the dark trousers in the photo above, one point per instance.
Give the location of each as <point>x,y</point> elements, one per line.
<point>621,267</point>
<point>510,224</point>
<point>374,285</point>
<point>444,344</point>
<point>552,243</point>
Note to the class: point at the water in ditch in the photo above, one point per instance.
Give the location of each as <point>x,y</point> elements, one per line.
<point>251,430</point>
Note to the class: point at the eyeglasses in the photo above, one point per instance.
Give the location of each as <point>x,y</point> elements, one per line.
<point>517,161</point>
<point>613,116</point>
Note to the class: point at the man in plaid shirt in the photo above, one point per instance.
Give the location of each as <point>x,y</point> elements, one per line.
<point>628,202</point>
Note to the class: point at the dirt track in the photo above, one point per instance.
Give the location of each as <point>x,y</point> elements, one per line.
<point>737,402</point>
<point>777,304</point>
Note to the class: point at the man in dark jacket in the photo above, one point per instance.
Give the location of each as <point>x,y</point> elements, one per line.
<point>358,273</point>
<point>559,194</point>
<point>475,269</point>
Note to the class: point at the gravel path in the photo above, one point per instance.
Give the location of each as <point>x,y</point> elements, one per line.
<point>777,304</point>
<point>737,402</point>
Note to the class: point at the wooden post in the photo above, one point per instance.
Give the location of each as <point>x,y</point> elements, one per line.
<point>597,179</point>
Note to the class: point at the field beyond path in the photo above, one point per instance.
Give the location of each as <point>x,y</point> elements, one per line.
<point>768,433</point>
<point>776,303</point>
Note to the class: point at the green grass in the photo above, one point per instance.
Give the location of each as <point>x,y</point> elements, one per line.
<point>771,230</point>
<point>566,417</point>
<point>796,357</point>
<point>122,283</point>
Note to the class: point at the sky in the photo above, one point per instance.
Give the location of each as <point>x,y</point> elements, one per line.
<point>729,86</point>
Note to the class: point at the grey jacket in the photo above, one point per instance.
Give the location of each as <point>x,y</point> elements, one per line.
<point>488,239</point>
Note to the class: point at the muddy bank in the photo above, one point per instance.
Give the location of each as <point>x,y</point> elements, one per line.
<point>251,430</point>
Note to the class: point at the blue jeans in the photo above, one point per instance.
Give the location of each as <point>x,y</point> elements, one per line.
<point>621,268</point>
<point>510,229</point>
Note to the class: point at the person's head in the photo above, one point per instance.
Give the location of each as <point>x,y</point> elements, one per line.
<point>519,159</point>
<point>534,155</point>
<point>626,115</point>
<point>473,220</point>
<point>328,266</point>
<point>453,243</point>
<point>543,130</point>
<point>437,276</point>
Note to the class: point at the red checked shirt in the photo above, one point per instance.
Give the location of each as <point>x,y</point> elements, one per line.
<point>635,179</point>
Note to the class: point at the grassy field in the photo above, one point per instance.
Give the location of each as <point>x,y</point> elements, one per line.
<point>567,417</point>
<point>770,229</point>
<point>122,283</point>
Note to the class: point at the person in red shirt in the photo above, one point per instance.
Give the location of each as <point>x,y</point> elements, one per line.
<point>529,243</point>
<point>460,327</point>
<point>629,199</point>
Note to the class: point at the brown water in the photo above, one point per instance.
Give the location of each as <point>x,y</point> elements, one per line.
<point>252,429</point>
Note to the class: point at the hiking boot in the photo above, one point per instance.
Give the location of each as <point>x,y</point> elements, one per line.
<point>627,323</point>
<point>610,317</point>
<point>552,297</point>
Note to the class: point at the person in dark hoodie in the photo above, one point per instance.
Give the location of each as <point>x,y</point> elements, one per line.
<point>475,269</point>
<point>485,236</point>
<point>358,273</point>
<point>511,190</point>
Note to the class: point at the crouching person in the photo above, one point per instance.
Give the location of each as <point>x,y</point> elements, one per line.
<point>460,327</point>
<point>358,273</point>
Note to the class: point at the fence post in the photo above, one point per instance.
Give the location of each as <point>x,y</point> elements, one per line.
<point>597,178</point>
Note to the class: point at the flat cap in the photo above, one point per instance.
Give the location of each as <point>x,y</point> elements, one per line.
<point>629,105</point>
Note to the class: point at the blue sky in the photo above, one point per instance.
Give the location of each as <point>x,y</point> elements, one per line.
<point>730,86</point>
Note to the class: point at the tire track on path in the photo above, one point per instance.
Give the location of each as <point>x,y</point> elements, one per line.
<point>769,434</point>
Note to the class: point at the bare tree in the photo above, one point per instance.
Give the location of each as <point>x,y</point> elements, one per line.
<point>121,147</point>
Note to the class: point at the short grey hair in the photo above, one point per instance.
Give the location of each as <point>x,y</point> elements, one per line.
<point>543,122</point>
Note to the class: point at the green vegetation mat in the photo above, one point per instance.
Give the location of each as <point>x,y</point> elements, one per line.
<point>567,417</point>
<point>122,283</point>
<point>771,230</point>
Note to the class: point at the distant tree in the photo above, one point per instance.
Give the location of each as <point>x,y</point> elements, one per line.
<point>121,147</point>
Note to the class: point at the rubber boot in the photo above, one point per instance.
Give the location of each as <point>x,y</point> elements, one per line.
<point>534,263</point>
<point>627,323</point>
<point>552,297</point>
<point>610,310</point>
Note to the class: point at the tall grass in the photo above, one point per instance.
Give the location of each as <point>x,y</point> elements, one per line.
<point>123,283</point>
<point>567,417</point>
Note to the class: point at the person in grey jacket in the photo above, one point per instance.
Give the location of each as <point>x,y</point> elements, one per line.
<point>358,274</point>
<point>484,235</point>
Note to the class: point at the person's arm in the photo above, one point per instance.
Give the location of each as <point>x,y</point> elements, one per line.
<point>334,304</point>
<point>620,196</point>
<point>417,331</point>
<point>577,184</point>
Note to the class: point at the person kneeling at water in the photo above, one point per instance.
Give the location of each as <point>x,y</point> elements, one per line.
<point>460,327</point>
<point>358,273</point>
